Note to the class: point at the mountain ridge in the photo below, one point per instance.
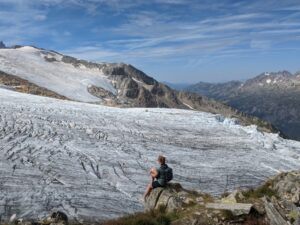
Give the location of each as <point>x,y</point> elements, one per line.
<point>53,74</point>
<point>274,97</point>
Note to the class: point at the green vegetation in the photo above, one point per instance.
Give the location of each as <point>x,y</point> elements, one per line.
<point>293,215</point>
<point>264,190</point>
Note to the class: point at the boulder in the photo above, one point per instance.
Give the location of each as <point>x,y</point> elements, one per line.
<point>237,209</point>
<point>169,198</point>
<point>273,215</point>
<point>151,201</point>
<point>233,197</point>
<point>259,207</point>
<point>56,218</point>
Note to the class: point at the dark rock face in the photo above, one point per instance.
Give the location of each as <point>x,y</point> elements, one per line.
<point>2,45</point>
<point>273,97</point>
<point>25,86</point>
<point>129,71</point>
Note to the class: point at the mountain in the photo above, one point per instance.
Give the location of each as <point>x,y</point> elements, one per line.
<point>91,161</point>
<point>48,73</point>
<point>273,97</point>
<point>2,45</point>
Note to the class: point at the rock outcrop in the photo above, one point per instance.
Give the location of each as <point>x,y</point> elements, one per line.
<point>274,203</point>
<point>177,206</point>
<point>285,206</point>
<point>237,209</point>
<point>273,214</point>
<point>171,198</point>
<point>287,185</point>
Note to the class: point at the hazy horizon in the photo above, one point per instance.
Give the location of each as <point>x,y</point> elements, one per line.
<point>178,41</point>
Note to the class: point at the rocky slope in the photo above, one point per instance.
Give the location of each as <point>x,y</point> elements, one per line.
<point>276,202</point>
<point>91,161</point>
<point>48,73</point>
<point>274,97</point>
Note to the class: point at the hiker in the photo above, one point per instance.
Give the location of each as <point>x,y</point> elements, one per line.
<point>159,176</point>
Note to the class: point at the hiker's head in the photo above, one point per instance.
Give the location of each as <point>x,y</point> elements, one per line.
<point>161,160</point>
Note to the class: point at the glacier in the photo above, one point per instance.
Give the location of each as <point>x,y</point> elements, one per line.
<point>92,161</point>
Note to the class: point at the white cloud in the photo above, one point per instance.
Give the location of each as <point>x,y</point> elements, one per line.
<point>148,33</point>
<point>40,17</point>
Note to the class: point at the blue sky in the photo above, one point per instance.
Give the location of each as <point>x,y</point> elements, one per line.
<point>172,40</point>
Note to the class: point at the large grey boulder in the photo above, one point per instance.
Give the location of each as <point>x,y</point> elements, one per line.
<point>237,209</point>
<point>152,199</point>
<point>170,198</point>
<point>233,197</point>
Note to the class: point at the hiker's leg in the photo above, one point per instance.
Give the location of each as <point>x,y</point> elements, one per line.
<point>148,190</point>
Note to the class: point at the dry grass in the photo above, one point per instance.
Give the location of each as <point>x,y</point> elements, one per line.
<point>155,217</point>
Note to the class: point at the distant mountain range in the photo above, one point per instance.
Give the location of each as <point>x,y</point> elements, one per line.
<point>48,73</point>
<point>177,86</point>
<point>274,97</point>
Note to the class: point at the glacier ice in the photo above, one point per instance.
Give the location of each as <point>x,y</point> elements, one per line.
<point>92,161</point>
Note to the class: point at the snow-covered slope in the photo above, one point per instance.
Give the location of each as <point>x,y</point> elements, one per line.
<point>47,73</point>
<point>92,161</point>
<point>45,69</point>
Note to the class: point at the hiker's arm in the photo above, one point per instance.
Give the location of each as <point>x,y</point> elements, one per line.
<point>153,172</point>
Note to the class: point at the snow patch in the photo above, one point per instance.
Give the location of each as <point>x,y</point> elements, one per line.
<point>136,80</point>
<point>28,49</point>
<point>188,105</point>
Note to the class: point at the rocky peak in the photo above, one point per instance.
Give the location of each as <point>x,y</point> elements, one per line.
<point>270,75</point>
<point>2,45</point>
<point>281,78</point>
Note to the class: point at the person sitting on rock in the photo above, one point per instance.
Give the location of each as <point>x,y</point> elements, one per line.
<point>158,176</point>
